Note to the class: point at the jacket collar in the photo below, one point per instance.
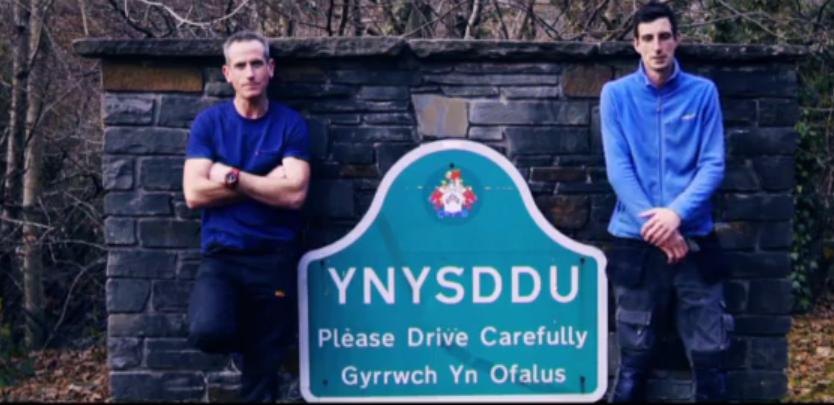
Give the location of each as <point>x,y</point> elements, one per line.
<point>641,72</point>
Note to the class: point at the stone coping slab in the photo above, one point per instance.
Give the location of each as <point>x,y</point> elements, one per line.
<point>434,49</point>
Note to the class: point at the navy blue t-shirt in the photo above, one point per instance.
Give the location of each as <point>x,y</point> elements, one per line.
<point>255,146</point>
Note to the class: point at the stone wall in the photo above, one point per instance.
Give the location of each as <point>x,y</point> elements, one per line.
<point>370,101</point>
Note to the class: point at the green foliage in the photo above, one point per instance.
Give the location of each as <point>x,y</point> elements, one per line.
<point>811,253</point>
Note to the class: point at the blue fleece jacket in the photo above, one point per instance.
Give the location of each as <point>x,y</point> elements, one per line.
<point>664,147</point>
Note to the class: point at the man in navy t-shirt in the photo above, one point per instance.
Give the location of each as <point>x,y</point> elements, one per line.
<point>246,168</point>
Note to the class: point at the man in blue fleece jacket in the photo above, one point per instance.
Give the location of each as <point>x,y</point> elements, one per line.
<point>664,152</point>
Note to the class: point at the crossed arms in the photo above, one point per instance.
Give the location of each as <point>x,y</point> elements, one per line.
<point>284,187</point>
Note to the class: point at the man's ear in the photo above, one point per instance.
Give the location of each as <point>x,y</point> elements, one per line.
<point>271,65</point>
<point>226,73</point>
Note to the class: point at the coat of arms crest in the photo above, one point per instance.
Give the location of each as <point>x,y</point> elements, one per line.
<point>453,198</point>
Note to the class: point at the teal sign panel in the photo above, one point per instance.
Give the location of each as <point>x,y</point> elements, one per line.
<point>453,287</point>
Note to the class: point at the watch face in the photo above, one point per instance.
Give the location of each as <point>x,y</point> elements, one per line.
<point>231,178</point>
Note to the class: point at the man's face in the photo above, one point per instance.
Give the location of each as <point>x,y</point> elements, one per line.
<point>246,69</point>
<point>656,44</point>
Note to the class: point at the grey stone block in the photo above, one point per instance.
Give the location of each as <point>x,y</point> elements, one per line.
<point>769,353</point>
<point>602,206</point>
<point>145,325</point>
<point>776,173</point>
<point>117,173</point>
<point>282,91</point>
<point>767,207</point>
<point>549,140</point>
<point>351,153</point>
<point>469,91</point>
<point>591,187</point>
<point>565,212</point>
<point>128,109</point>
<point>141,264</point>
<point>778,112</point>
<point>529,112</point>
<point>119,231</point>
<point>493,79</point>
<point>735,295</point>
<point>756,83</point>
<point>770,297</point>
<point>440,116</point>
<point>318,132</point>
<point>761,141</point>
<point>157,386</point>
<point>177,353</point>
<point>219,89</point>
<point>171,295</point>
<point>762,325</point>
<point>371,134</point>
<point>375,77</point>
<point>145,140</point>
<point>223,386</point>
<point>187,270</point>
<point>737,235</point>
<point>737,356</point>
<point>339,119</point>
<point>776,235</point>
<point>558,174</point>
<point>669,390</point>
<point>532,92</point>
<point>182,211</point>
<point>330,199</point>
<point>387,154</point>
<point>340,106</point>
<point>738,111</point>
<point>585,80</point>
<point>124,353</point>
<point>169,233</point>
<point>755,385</point>
<point>596,132</point>
<point>739,176</point>
<point>486,133</point>
<point>161,173</point>
<point>136,204</point>
<point>127,295</point>
<point>179,111</point>
<point>389,119</point>
<point>758,265</point>
<point>507,67</point>
<point>383,93</point>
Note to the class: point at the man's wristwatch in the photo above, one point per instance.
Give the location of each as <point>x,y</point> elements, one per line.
<point>232,178</point>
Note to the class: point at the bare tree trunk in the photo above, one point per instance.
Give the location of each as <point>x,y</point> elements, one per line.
<point>17,116</point>
<point>343,19</point>
<point>473,19</point>
<point>34,302</point>
<point>358,27</point>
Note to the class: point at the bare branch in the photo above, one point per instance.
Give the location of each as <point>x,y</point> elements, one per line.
<point>186,21</point>
<point>500,15</point>
<point>473,19</point>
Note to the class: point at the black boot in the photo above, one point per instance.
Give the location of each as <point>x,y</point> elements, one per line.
<point>710,377</point>
<point>630,385</point>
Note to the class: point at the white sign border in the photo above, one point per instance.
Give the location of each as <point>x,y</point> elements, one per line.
<point>540,220</point>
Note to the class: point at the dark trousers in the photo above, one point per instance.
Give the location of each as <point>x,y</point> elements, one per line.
<point>648,293</point>
<point>247,305</point>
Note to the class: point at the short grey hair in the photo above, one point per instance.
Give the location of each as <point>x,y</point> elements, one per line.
<point>243,36</point>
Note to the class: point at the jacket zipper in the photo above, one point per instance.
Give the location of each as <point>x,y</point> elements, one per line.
<point>660,146</point>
